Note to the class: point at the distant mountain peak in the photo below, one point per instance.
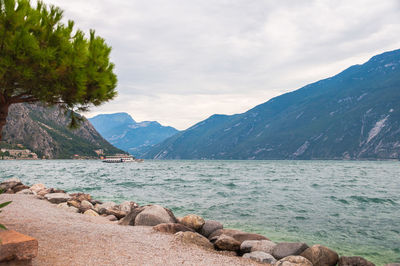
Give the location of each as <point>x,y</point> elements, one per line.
<point>134,137</point>
<point>351,115</point>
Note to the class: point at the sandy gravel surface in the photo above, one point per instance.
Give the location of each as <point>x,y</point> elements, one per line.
<point>75,239</point>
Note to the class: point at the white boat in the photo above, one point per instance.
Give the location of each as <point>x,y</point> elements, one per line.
<point>119,159</point>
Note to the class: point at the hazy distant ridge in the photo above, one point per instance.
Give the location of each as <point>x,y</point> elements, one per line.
<point>353,115</point>
<point>125,133</point>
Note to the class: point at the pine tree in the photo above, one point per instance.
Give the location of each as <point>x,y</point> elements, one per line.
<point>44,60</point>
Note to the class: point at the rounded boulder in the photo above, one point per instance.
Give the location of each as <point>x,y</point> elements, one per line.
<point>293,261</point>
<point>320,256</point>
<point>192,221</point>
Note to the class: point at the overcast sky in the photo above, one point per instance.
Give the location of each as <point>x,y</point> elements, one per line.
<point>180,61</point>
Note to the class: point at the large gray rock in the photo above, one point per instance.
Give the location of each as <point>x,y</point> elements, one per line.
<point>193,238</point>
<point>172,228</point>
<point>210,227</point>
<point>57,198</point>
<point>149,215</point>
<point>354,261</point>
<point>257,245</point>
<point>225,242</point>
<point>236,234</point>
<point>153,215</point>
<point>260,257</point>
<point>320,256</point>
<point>293,261</point>
<point>285,249</point>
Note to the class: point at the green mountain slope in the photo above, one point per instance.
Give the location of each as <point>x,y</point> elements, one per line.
<point>353,115</point>
<point>45,131</point>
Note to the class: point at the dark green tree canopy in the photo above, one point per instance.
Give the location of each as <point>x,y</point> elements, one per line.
<point>45,60</point>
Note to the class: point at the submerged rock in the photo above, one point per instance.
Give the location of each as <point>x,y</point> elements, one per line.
<point>320,256</point>
<point>193,238</point>
<point>210,227</point>
<point>354,261</point>
<point>285,249</point>
<point>293,261</point>
<point>260,257</point>
<point>172,228</point>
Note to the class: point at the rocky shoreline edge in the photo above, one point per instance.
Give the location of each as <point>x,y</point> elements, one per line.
<point>191,229</point>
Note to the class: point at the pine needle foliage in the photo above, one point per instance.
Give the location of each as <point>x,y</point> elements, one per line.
<point>44,60</point>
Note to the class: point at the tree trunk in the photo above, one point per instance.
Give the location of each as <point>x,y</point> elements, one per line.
<point>3,116</point>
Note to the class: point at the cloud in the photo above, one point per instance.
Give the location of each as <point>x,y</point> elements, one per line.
<point>180,61</point>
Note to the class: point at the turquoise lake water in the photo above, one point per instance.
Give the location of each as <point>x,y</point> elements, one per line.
<point>351,207</point>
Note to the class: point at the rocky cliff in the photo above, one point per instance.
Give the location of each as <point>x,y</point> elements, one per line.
<point>45,131</point>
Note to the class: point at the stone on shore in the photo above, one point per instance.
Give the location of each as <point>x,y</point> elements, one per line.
<point>26,192</point>
<point>392,264</point>
<point>57,198</point>
<point>127,206</point>
<point>85,205</point>
<point>20,187</point>
<point>285,249</point>
<point>192,221</point>
<point>225,242</point>
<point>172,228</point>
<point>111,218</point>
<point>65,206</point>
<point>91,213</point>
<point>81,197</point>
<point>74,203</point>
<point>293,261</point>
<point>257,245</point>
<point>149,215</point>
<point>260,257</point>
<point>237,235</point>
<point>102,208</point>
<point>17,248</point>
<point>320,256</point>
<point>354,261</point>
<point>37,187</point>
<point>210,227</point>
<point>9,184</point>
<point>193,238</point>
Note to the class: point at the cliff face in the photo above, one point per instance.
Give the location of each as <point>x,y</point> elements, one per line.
<point>353,115</point>
<point>45,131</point>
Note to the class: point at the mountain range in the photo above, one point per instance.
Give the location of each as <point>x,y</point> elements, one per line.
<point>122,131</point>
<point>45,131</point>
<point>352,115</point>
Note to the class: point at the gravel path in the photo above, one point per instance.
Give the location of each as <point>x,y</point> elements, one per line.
<point>75,239</point>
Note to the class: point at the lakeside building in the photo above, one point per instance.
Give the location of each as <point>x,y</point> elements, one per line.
<point>24,154</point>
